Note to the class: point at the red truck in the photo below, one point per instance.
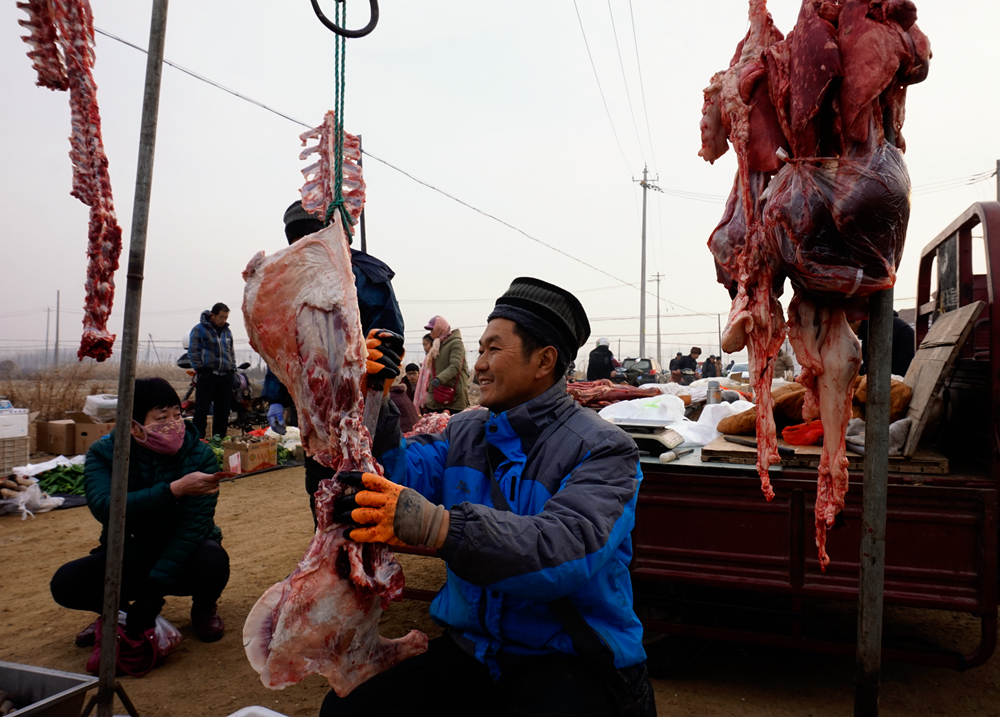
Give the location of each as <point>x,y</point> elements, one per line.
<point>708,545</point>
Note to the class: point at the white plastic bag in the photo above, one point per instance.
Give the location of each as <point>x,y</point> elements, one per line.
<point>102,408</point>
<point>35,469</point>
<point>657,408</point>
<point>29,502</point>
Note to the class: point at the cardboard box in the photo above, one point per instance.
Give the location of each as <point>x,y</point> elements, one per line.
<point>59,437</point>
<point>239,457</point>
<point>87,431</point>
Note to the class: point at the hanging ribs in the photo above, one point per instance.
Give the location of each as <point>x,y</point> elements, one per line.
<point>62,41</point>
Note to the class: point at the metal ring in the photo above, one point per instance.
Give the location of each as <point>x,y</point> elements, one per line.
<point>372,20</point>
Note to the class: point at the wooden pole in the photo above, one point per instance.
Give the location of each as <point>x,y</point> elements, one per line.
<point>868,669</point>
<point>129,349</point>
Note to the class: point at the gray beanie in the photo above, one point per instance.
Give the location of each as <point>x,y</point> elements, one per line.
<point>552,315</point>
<point>295,212</point>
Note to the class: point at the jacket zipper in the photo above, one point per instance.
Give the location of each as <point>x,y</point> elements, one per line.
<point>482,610</point>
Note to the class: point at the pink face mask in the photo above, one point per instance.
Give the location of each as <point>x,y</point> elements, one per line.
<point>166,438</point>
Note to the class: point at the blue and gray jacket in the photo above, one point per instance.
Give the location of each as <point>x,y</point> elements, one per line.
<point>571,481</point>
<point>211,348</point>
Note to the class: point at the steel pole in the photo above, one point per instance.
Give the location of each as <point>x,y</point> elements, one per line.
<point>129,349</point>
<point>867,674</point>
<point>642,290</point>
<point>48,315</point>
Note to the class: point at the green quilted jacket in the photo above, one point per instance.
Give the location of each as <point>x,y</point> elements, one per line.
<point>158,526</point>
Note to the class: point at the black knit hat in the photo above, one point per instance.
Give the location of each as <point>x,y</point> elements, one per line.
<point>295,212</point>
<point>552,315</point>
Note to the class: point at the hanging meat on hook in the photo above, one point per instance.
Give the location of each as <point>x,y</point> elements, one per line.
<point>821,197</point>
<point>300,308</point>
<point>62,52</point>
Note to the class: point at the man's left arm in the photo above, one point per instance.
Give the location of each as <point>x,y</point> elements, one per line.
<point>553,553</point>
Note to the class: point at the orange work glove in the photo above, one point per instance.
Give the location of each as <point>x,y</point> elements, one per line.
<point>386,512</point>
<point>385,355</point>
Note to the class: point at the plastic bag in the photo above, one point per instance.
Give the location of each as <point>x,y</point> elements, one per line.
<point>103,407</point>
<point>839,223</point>
<point>137,657</point>
<point>657,408</point>
<point>30,501</point>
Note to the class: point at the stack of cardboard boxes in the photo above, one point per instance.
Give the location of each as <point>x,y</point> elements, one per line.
<point>70,436</point>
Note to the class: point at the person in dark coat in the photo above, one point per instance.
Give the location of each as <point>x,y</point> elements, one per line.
<point>210,348</point>
<point>408,415</point>
<point>710,368</point>
<point>411,378</point>
<point>601,363</point>
<point>378,308</point>
<point>903,345</point>
<point>172,544</point>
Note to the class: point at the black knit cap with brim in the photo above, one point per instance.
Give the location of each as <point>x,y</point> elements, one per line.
<point>550,314</point>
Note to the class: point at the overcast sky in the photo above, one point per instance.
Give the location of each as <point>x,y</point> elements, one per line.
<point>496,104</point>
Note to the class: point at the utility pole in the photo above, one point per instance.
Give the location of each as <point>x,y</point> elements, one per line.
<point>55,354</point>
<point>645,184</point>
<point>155,352</point>
<point>718,318</point>
<point>48,315</point>
<point>659,355</point>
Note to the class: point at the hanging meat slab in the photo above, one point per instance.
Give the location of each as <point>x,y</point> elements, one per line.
<point>62,52</point>
<point>301,313</point>
<point>821,198</point>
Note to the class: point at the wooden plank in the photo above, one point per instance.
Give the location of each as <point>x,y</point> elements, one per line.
<point>934,359</point>
<point>923,461</point>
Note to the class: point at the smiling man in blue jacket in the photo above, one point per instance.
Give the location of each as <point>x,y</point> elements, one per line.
<point>531,504</point>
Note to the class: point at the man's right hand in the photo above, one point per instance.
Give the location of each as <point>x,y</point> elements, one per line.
<point>276,418</point>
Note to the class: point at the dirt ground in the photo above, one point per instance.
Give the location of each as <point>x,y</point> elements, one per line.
<point>266,525</point>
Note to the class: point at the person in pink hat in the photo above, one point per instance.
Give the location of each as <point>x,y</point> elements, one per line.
<point>444,378</point>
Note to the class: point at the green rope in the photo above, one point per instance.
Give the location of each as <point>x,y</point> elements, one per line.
<point>340,47</point>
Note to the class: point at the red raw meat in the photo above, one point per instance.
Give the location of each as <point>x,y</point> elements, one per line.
<point>62,40</point>
<point>831,215</point>
<point>602,392</point>
<point>301,312</point>
<point>430,423</point>
<point>317,192</point>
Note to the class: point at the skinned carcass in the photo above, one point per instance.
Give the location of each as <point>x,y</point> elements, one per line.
<point>62,41</point>
<point>821,197</point>
<point>301,313</point>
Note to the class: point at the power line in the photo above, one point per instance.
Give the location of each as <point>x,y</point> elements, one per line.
<point>642,89</point>
<point>205,79</point>
<point>599,88</point>
<point>410,176</point>
<point>628,95</point>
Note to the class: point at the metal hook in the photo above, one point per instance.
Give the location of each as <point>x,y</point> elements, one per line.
<point>372,21</point>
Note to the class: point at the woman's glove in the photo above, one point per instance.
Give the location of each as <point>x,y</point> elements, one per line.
<point>386,512</point>
<point>435,382</point>
<point>276,418</point>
